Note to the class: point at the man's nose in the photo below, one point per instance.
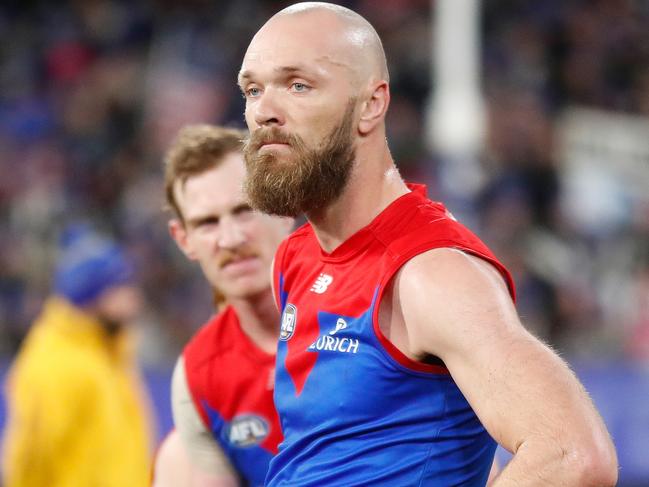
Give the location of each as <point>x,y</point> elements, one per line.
<point>231,235</point>
<point>268,109</point>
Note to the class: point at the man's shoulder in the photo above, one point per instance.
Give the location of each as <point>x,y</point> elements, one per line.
<point>446,277</point>
<point>210,339</point>
<point>50,347</point>
<point>301,241</point>
<point>411,214</point>
<point>299,235</point>
<point>58,366</point>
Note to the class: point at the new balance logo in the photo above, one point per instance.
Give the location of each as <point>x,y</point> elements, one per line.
<point>321,283</point>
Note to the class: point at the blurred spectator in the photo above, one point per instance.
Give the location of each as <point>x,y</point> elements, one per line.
<point>78,415</point>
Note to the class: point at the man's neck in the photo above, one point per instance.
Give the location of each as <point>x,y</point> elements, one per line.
<point>259,319</point>
<point>372,186</point>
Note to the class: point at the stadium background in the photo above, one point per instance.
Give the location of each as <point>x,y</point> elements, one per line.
<point>91,92</point>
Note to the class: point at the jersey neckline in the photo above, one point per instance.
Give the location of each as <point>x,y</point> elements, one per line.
<point>358,241</point>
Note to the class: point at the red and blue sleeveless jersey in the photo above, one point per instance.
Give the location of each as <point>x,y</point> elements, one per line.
<point>231,382</point>
<point>355,410</point>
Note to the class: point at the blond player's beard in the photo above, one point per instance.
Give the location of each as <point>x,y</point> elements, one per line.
<point>306,181</point>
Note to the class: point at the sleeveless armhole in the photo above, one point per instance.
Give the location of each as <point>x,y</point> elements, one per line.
<point>390,349</point>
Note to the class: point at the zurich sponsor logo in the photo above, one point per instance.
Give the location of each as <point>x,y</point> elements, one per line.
<point>321,283</point>
<point>247,430</point>
<point>340,325</point>
<point>332,343</point>
<point>289,319</point>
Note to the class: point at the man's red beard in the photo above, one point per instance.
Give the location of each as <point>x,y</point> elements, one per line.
<point>305,181</point>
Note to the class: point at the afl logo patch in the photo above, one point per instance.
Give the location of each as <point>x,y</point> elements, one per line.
<point>289,318</point>
<point>247,430</point>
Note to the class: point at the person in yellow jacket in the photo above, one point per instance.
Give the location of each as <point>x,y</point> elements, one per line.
<point>78,415</point>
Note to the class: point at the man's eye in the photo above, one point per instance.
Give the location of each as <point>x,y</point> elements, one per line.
<point>243,211</point>
<point>253,92</point>
<point>299,87</point>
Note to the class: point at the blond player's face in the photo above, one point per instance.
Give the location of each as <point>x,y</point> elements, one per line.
<point>233,244</point>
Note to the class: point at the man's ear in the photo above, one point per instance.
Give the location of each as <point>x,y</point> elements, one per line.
<point>373,109</point>
<point>179,234</point>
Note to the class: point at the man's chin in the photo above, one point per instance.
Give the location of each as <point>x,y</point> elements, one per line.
<point>274,157</point>
<point>242,268</point>
<point>247,291</point>
<point>112,326</point>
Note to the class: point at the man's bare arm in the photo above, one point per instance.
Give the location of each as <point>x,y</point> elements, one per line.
<point>201,461</point>
<point>172,467</point>
<point>457,307</point>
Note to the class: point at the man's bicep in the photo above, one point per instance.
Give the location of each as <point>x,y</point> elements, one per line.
<point>519,389</point>
<point>461,312</point>
<point>171,466</point>
<point>444,294</point>
<point>208,460</point>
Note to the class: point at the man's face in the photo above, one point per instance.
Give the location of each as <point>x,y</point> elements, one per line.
<point>300,107</point>
<point>118,306</point>
<point>233,244</point>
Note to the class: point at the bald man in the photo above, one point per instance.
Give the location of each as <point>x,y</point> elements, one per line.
<point>401,358</point>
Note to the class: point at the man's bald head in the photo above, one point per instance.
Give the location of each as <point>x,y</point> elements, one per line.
<point>346,38</point>
<point>316,86</point>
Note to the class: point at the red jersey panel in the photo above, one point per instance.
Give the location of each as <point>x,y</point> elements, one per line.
<point>231,381</point>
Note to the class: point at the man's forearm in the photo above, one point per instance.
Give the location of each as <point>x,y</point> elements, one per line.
<point>541,464</point>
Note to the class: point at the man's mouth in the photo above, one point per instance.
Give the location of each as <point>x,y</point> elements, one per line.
<point>240,263</point>
<point>272,144</point>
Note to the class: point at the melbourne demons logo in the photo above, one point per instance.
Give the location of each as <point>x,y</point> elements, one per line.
<point>247,430</point>
<point>289,319</point>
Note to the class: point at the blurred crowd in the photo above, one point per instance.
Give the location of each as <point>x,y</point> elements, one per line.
<point>92,91</point>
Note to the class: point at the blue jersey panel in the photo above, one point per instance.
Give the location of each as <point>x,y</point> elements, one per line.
<point>364,419</point>
<point>240,440</point>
